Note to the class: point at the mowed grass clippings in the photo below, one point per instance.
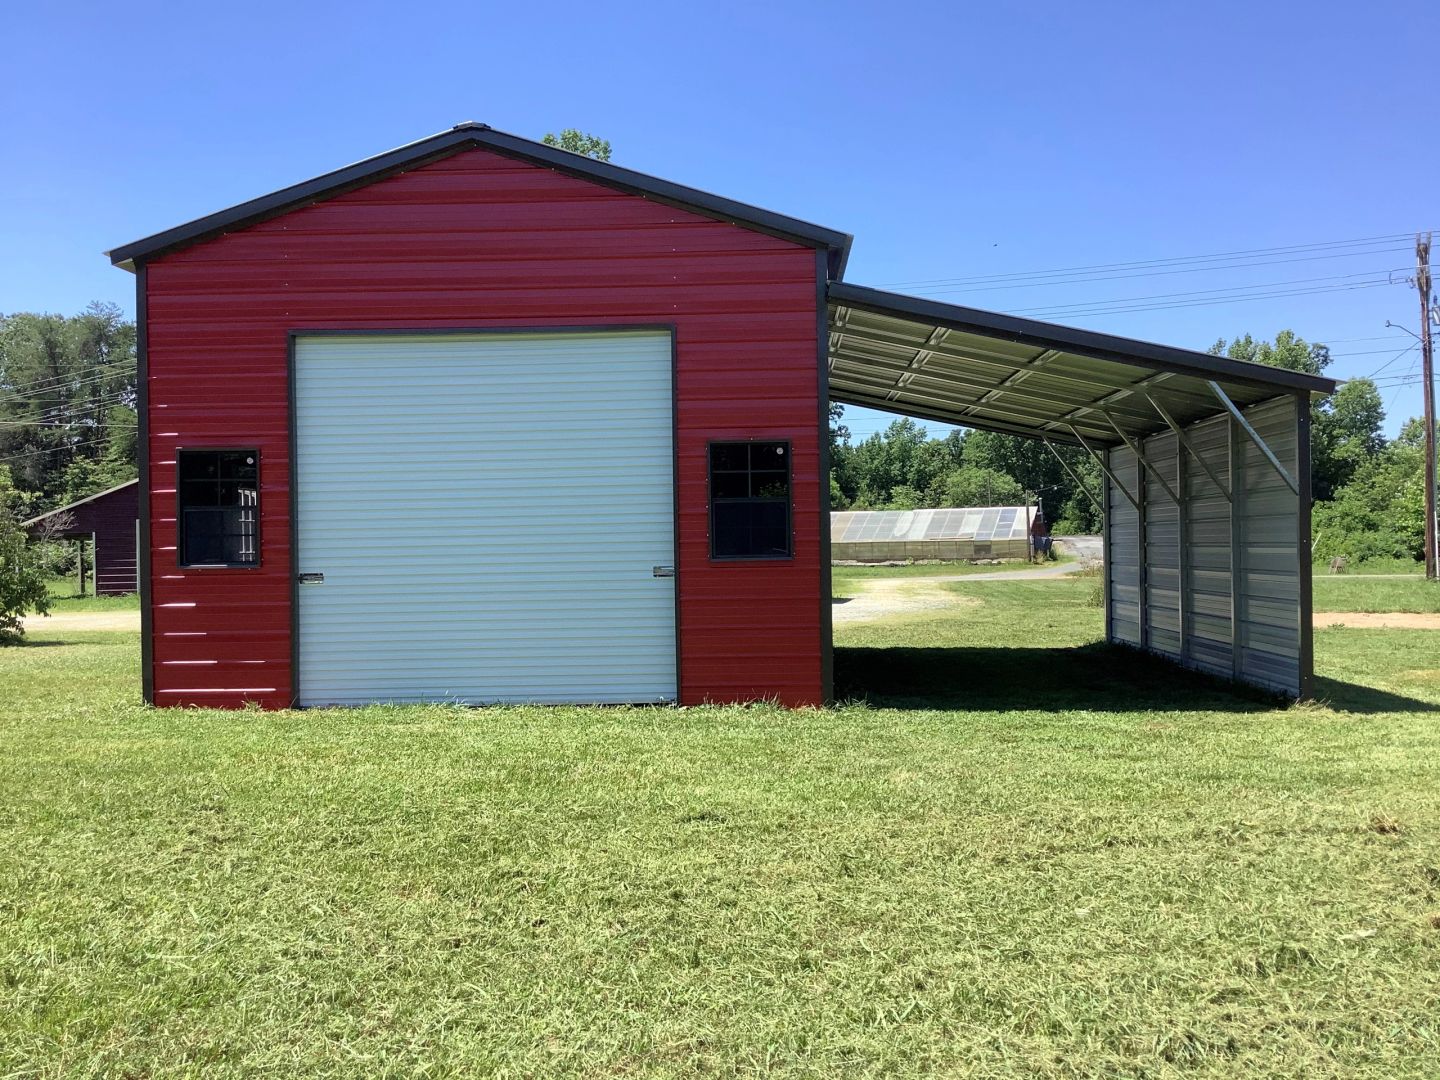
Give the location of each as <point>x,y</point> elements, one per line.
<point>1155,878</point>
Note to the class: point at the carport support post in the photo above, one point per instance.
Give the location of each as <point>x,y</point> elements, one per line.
<point>80,562</point>
<point>1182,526</point>
<point>1142,566</point>
<point>1303,549</point>
<point>1237,543</point>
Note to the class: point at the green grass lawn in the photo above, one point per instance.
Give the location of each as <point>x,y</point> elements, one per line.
<point>1026,855</point>
<point>1342,592</point>
<point>64,597</point>
<point>850,580</point>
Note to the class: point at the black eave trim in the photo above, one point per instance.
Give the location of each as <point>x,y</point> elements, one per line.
<point>471,136</point>
<point>1071,339</point>
<point>142,453</point>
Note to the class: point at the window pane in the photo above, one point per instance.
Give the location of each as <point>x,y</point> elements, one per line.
<point>219,520</point>
<point>237,465</point>
<point>749,500</point>
<point>767,456</point>
<point>769,485</point>
<point>199,465</point>
<point>729,486</point>
<point>734,456</point>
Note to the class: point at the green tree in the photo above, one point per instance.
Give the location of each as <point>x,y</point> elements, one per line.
<point>1345,433</point>
<point>67,402</point>
<point>22,573</point>
<point>1288,350</point>
<point>1380,511</point>
<point>578,142</point>
<point>976,485</point>
<point>1345,428</point>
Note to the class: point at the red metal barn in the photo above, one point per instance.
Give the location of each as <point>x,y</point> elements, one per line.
<point>482,420</point>
<point>110,520</point>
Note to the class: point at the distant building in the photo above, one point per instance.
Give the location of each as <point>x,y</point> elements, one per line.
<point>110,520</point>
<point>985,532</point>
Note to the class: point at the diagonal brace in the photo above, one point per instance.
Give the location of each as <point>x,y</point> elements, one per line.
<point>1140,457</point>
<point>1105,468</point>
<point>1071,473</point>
<point>1254,436</point>
<point>1188,445</point>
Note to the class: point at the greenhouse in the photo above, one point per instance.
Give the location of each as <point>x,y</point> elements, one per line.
<point>986,532</point>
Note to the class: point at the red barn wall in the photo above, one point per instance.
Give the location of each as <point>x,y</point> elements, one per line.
<point>473,240</point>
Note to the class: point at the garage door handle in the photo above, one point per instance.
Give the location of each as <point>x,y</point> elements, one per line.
<point>312,579</point>
<point>662,571</point>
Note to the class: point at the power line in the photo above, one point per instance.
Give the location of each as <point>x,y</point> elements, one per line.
<point>22,395</point>
<point>1236,289</point>
<point>1052,282</point>
<point>1408,348</point>
<point>54,449</point>
<point>63,380</point>
<point>1106,310</point>
<point>1171,261</point>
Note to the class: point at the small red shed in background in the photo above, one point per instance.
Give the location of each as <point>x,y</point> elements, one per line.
<point>110,520</point>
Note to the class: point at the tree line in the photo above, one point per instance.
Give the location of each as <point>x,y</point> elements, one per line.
<point>68,430</point>
<point>67,405</point>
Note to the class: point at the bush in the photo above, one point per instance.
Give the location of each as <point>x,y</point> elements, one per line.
<point>22,570</point>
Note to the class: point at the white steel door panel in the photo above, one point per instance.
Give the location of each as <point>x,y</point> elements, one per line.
<point>487,511</point>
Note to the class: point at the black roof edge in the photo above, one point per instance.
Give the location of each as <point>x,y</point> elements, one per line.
<point>1075,340</point>
<point>472,135</point>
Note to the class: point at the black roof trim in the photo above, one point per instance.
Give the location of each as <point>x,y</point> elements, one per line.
<point>1074,340</point>
<point>468,136</point>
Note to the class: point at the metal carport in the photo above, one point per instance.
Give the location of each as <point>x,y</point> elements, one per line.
<point>1206,462</point>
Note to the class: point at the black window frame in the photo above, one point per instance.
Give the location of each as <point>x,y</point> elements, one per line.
<point>180,507</point>
<point>788,500</point>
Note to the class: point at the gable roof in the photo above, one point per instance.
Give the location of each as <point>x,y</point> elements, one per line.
<point>471,135</point>
<point>79,502</point>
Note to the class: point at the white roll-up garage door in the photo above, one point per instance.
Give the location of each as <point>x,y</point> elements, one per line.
<point>492,515</point>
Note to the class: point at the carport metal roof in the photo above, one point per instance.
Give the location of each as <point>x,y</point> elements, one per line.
<point>980,369</point>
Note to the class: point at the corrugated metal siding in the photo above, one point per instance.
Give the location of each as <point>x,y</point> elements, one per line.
<point>1208,532</point>
<point>1162,547</point>
<point>1193,582</point>
<point>1269,578</point>
<point>1122,551</point>
<point>481,541</point>
<point>482,240</point>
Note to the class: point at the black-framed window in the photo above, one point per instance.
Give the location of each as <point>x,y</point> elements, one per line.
<point>218,507</point>
<point>750,500</point>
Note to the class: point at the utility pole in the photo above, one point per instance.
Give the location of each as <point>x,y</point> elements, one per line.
<point>1422,283</point>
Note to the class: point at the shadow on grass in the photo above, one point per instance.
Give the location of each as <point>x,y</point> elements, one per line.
<point>1106,678</point>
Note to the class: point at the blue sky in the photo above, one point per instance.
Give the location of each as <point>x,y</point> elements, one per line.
<point>954,140</point>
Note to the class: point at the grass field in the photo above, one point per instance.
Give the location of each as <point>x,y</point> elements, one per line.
<point>1025,855</point>
<point>1342,592</point>
<point>63,597</point>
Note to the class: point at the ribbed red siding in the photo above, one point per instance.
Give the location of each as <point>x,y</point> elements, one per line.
<point>475,240</point>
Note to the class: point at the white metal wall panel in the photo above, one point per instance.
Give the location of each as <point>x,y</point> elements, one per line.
<point>1270,582</point>
<point>1162,547</point>
<point>1207,511</point>
<point>1243,623</point>
<point>1122,551</point>
<point>487,511</point>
